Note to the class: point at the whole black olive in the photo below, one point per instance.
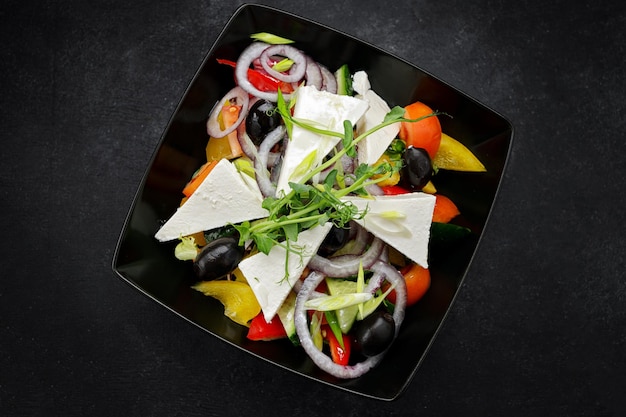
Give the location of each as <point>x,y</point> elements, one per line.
<point>334,240</point>
<point>262,119</point>
<point>417,169</point>
<point>218,258</point>
<point>375,333</point>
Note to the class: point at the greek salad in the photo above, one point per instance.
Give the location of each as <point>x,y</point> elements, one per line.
<point>311,218</point>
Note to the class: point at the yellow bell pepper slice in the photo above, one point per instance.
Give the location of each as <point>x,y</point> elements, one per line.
<point>453,155</point>
<point>240,304</point>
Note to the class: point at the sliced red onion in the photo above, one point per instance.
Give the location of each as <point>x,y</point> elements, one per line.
<point>347,265</point>
<point>329,82</point>
<point>313,74</point>
<point>276,166</point>
<point>297,69</point>
<point>396,279</point>
<point>374,189</point>
<point>246,58</point>
<point>237,96</point>
<point>272,159</point>
<point>348,164</point>
<point>247,146</point>
<point>320,359</point>
<point>260,163</point>
<point>359,238</point>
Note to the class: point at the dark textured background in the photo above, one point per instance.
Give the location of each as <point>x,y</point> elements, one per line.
<point>539,326</point>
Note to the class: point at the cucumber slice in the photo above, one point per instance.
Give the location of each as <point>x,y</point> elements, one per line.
<point>286,313</point>
<point>344,81</point>
<point>345,316</point>
<point>446,233</point>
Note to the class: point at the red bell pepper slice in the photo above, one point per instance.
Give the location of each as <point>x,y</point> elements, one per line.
<point>340,355</point>
<point>261,80</point>
<point>394,190</point>
<point>263,330</point>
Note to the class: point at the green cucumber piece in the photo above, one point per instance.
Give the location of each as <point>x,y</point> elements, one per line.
<point>345,316</point>
<point>286,313</point>
<point>445,233</point>
<point>344,81</point>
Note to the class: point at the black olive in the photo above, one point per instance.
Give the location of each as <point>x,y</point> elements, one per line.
<point>262,119</point>
<point>375,333</point>
<point>417,169</point>
<point>334,240</point>
<point>218,258</point>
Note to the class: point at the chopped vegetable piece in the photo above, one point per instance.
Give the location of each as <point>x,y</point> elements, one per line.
<point>261,80</point>
<point>198,177</point>
<point>344,81</point>
<point>240,304</point>
<point>218,148</point>
<point>394,190</point>
<point>331,319</point>
<point>316,330</point>
<point>230,115</point>
<point>389,180</point>
<point>370,306</point>
<point>446,233</point>
<point>266,331</point>
<point>423,134</point>
<point>453,155</point>
<point>270,38</point>
<point>186,250</point>
<point>335,302</point>
<point>286,313</point>
<point>445,209</point>
<point>339,351</point>
<point>429,188</point>
<point>417,281</point>
<point>345,316</point>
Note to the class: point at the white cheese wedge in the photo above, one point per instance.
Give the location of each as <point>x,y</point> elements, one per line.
<point>266,273</point>
<point>225,196</point>
<point>402,221</point>
<point>361,82</point>
<point>370,149</point>
<point>323,110</point>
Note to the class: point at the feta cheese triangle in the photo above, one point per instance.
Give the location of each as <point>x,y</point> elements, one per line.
<point>266,273</point>
<point>225,196</point>
<point>370,149</point>
<point>323,110</point>
<point>402,221</point>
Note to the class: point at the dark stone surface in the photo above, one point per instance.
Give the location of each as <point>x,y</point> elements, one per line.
<point>538,326</point>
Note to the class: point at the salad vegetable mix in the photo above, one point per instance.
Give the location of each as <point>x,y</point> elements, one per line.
<point>311,218</point>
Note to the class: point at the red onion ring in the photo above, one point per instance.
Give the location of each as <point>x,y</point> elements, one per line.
<point>347,265</point>
<point>213,126</point>
<point>313,73</point>
<point>374,189</point>
<point>252,52</point>
<point>298,68</point>
<point>247,146</point>
<point>320,359</point>
<point>359,240</point>
<point>260,163</point>
<point>329,82</point>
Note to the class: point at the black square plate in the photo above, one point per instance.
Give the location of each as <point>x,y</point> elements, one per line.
<point>150,266</point>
